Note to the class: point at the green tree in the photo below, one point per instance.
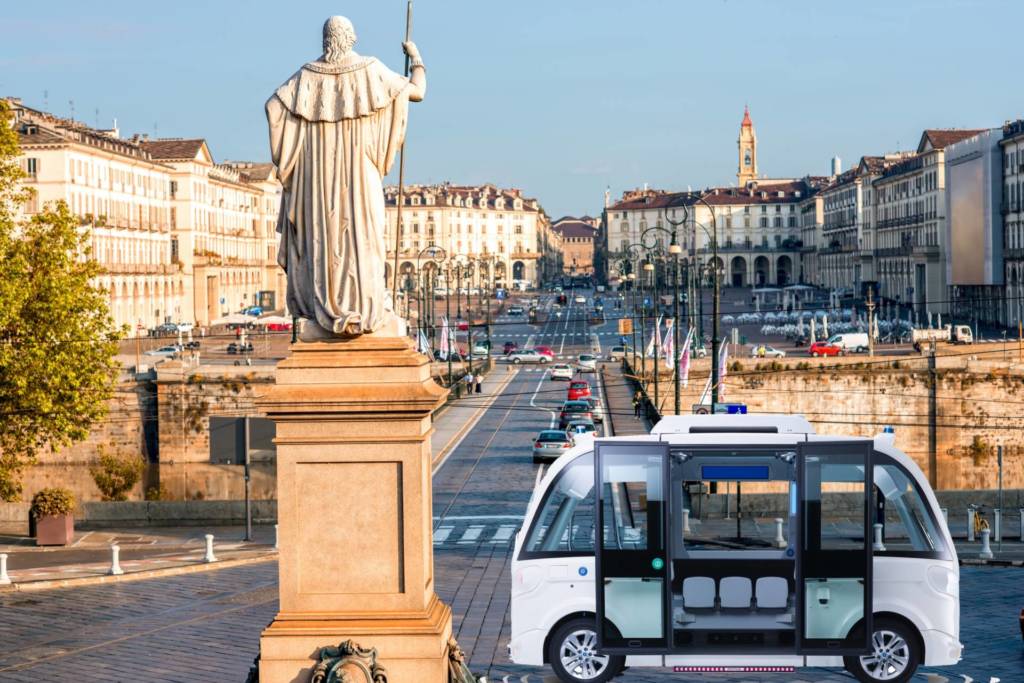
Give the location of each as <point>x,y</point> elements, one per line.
<point>116,473</point>
<point>57,339</point>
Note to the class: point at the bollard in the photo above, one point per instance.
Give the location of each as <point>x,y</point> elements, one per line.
<point>878,546</point>
<point>209,549</point>
<point>986,549</point>
<point>686,521</point>
<point>4,578</point>
<point>970,525</point>
<point>779,541</point>
<point>115,560</point>
<point>1021,512</point>
<point>275,537</point>
<point>997,526</point>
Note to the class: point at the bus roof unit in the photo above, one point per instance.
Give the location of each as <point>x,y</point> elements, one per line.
<point>768,423</point>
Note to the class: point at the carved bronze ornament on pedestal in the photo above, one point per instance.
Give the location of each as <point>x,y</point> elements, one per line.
<point>348,663</point>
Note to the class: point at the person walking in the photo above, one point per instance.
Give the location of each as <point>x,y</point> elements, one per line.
<point>638,401</point>
<point>469,382</point>
<point>479,383</point>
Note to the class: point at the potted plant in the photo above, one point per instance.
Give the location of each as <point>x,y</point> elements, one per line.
<point>51,511</point>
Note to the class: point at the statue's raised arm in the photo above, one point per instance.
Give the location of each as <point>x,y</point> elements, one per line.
<point>336,127</point>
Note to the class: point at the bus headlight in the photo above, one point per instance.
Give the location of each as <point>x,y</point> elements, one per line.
<point>944,580</point>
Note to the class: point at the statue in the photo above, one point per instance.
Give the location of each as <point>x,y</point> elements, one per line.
<point>336,127</point>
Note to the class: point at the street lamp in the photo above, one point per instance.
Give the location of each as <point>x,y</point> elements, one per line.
<point>435,255</point>
<point>715,302</point>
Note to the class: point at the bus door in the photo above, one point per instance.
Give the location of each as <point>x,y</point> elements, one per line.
<point>834,564</point>
<point>632,556</point>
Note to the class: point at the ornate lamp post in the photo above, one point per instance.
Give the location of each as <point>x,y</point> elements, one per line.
<point>716,297</point>
<point>674,250</point>
<point>435,255</point>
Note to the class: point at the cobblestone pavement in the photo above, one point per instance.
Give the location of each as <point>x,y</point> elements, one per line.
<point>205,627</point>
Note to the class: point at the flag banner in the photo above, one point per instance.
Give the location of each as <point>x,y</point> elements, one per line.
<point>655,339</point>
<point>445,337</point>
<point>668,348</point>
<point>684,360</point>
<point>723,357</point>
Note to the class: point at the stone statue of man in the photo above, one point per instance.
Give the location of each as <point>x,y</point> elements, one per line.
<point>335,129</point>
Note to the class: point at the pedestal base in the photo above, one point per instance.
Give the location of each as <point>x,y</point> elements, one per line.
<point>410,648</point>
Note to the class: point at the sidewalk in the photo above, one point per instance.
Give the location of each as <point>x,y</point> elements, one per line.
<point>454,421</point>
<point>619,389</point>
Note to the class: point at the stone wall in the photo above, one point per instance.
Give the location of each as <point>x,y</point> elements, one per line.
<point>978,405</point>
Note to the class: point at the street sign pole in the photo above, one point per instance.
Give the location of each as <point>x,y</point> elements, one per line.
<point>245,455</point>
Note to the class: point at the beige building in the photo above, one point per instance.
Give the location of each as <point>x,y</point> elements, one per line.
<point>506,233</point>
<point>578,239</point>
<point>910,231</point>
<point>180,238</point>
<point>1012,146</point>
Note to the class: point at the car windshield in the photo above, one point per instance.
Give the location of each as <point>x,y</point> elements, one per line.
<point>586,357</point>
<point>579,385</point>
<point>581,406</point>
<point>552,435</point>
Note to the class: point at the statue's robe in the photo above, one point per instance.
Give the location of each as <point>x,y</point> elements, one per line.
<point>334,133</point>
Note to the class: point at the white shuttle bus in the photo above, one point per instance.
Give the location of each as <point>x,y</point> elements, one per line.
<point>841,558</point>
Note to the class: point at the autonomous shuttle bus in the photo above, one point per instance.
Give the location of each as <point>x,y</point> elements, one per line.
<point>735,543</point>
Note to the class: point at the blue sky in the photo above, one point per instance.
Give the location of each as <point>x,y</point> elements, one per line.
<point>559,98</point>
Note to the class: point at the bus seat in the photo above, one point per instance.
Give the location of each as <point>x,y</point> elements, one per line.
<point>772,592</point>
<point>699,592</point>
<point>735,592</point>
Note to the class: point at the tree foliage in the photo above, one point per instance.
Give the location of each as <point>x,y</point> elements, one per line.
<point>57,339</point>
<point>116,473</point>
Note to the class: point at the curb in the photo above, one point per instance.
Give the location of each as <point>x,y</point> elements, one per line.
<point>470,423</point>
<point>978,562</point>
<point>48,584</point>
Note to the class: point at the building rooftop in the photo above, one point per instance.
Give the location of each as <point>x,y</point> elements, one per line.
<point>173,149</point>
<point>574,227</point>
<point>940,138</point>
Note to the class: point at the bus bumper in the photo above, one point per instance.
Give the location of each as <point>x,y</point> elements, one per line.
<point>527,647</point>
<point>941,649</point>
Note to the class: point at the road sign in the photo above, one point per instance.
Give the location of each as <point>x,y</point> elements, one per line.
<point>720,409</point>
<point>625,326</point>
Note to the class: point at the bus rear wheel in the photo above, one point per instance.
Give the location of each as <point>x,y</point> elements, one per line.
<point>572,653</point>
<point>895,655</point>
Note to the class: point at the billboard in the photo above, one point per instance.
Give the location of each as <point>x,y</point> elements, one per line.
<point>974,226</point>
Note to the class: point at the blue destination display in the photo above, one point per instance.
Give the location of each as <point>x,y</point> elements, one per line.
<point>734,472</point>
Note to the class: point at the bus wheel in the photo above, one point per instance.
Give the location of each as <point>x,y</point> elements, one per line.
<point>896,653</point>
<point>572,652</point>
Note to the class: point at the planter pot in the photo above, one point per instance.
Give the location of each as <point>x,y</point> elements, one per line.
<point>55,530</point>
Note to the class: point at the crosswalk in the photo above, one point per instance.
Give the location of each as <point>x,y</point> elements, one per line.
<point>469,532</point>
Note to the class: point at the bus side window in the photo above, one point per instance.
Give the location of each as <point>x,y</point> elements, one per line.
<point>565,523</point>
<point>909,527</point>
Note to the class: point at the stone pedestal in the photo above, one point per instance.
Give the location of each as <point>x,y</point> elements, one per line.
<point>354,509</point>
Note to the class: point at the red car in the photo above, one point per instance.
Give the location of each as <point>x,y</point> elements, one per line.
<point>578,389</point>
<point>825,349</point>
<point>544,351</point>
<point>279,327</point>
<point>463,326</point>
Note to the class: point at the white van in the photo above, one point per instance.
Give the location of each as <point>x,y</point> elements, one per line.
<point>851,342</point>
<point>847,563</point>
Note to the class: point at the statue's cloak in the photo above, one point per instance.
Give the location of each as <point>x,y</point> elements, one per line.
<point>334,133</point>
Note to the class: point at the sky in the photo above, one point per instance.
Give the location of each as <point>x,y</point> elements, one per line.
<point>561,98</point>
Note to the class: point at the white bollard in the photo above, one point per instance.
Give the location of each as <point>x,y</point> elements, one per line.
<point>1021,511</point>
<point>115,560</point>
<point>275,537</point>
<point>997,526</point>
<point>878,546</point>
<point>986,549</point>
<point>4,578</point>
<point>780,541</point>
<point>686,521</point>
<point>970,525</point>
<point>209,549</point>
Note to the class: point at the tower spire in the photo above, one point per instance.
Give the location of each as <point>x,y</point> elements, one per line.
<point>747,144</point>
<point>746,117</point>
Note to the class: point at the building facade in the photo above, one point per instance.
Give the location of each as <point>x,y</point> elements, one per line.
<point>179,237</point>
<point>1012,146</point>
<point>578,236</point>
<point>506,234</point>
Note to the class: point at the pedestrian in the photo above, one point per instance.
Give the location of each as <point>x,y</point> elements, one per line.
<point>469,382</point>
<point>637,404</point>
<point>479,383</point>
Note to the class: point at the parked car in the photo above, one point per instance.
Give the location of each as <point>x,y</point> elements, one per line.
<point>562,371</point>
<point>166,328</point>
<point>480,351</point>
<point>185,328</point>
<point>194,344</point>
<point>527,356</point>
<point>516,310</point>
<point>509,347</point>
<point>546,350</point>
<point>463,326</point>
<point>580,299</point>
<point>595,408</point>
<point>237,348</point>
<point>574,410</point>
<point>769,351</point>
<point>578,388</point>
<point>252,310</point>
<point>825,349</point>
<point>618,353</point>
<point>164,351</point>
<point>853,342</point>
<point>587,362</point>
<point>550,444</point>
<point>699,352</point>
<point>581,427</point>
<point>279,327</point>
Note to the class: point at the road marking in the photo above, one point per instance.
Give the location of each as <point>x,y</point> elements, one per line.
<point>503,534</point>
<point>472,534</point>
<point>441,534</point>
<point>561,348</point>
<point>533,401</point>
<point>464,518</point>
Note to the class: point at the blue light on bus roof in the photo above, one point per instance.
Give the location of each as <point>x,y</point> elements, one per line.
<point>734,472</point>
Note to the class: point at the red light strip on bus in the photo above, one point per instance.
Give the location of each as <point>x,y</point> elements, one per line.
<point>733,669</point>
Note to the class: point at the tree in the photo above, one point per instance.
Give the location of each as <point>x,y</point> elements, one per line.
<point>57,339</point>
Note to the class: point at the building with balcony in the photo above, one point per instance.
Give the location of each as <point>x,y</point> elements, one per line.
<point>505,232</point>
<point>910,228</point>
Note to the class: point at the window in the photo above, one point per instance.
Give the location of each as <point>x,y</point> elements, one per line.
<point>909,526</point>
<point>32,166</point>
<point>565,522</point>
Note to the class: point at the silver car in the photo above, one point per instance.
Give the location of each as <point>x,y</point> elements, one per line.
<point>527,356</point>
<point>550,444</point>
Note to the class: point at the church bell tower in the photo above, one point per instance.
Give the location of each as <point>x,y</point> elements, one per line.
<point>747,144</point>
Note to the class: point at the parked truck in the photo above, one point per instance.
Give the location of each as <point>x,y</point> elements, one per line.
<point>949,334</point>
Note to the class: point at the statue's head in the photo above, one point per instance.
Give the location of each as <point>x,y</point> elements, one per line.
<point>339,37</point>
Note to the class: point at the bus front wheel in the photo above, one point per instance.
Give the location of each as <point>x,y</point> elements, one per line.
<point>572,653</point>
<point>895,654</point>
